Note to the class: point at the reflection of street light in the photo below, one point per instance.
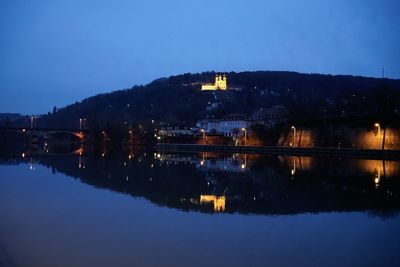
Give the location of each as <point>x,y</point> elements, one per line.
<point>377,125</point>
<point>294,135</point>
<point>203,159</point>
<point>245,135</point>
<point>377,178</point>
<point>244,164</point>
<point>293,171</point>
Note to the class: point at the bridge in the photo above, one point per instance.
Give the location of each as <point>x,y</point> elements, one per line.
<point>46,132</point>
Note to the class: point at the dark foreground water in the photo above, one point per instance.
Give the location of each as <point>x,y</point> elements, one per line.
<point>146,208</point>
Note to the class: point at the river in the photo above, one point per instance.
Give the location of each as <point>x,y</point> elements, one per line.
<point>148,208</point>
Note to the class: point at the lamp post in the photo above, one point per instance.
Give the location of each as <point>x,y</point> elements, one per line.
<point>245,136</point>
<point>80,124</point>
<point>104,136</point>
<point>162,133</point>
<point>130,136</point>
<point>32,118</point>
<point>377,125</point>
<point>204,135</point>
<point>294,134</point>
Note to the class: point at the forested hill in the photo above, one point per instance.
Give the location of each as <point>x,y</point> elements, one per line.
<point>179,99</point>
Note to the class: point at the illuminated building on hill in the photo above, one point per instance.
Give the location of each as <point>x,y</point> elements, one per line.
<point>220,84</point>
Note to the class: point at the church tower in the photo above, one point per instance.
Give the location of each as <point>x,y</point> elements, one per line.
<point>219,84</point>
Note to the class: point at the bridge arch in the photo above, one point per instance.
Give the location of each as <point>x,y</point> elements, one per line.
<point>78,134</point>
<point>44,132</point>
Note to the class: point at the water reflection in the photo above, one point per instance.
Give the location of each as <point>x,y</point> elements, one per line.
<point>212,182</point>
<point>218,201</point>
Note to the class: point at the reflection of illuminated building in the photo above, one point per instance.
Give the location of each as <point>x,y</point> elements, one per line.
<point>225,164</point>
<point>219,202</point>
<point>176,159</point>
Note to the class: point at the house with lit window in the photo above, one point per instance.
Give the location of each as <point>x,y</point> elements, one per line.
<point>230,125</point>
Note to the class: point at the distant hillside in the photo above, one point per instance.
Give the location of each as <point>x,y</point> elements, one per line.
<point>8,119</point>
<point>179,99</point>
<point>10,116</point>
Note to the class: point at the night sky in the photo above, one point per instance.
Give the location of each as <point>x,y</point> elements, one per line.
<point>56,52</point>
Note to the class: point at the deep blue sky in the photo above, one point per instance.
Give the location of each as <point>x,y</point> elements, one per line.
<point>56,52</point>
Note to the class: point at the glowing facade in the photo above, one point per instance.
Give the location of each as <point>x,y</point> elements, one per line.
<point>219,202</point>
<point>220,84</point>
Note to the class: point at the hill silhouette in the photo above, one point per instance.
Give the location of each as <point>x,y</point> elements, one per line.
<point>180,99</point>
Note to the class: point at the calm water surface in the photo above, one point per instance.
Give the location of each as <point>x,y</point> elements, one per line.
<point>147,208</point>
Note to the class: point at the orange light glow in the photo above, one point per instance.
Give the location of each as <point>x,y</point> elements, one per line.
<point>219,202</point>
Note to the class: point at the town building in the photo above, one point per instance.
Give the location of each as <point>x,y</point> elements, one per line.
<point>220,84</point>
<point>230,125</point>
<point>176,130</point>
<point>269,116</point>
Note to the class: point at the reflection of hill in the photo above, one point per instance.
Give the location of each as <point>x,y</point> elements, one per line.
<point>268,185</point>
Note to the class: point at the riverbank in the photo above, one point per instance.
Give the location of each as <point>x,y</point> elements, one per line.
<point>295,151</point>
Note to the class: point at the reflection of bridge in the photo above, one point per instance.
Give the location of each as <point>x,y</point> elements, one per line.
<point>41,152</point>
<point>45,132</point>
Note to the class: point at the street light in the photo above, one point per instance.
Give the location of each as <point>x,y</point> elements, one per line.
<point>32,118</point>
<point>162,133</point>
<point>80,124</point>
<point>245,135</point>
<point>377,125</point>
<point>294,134</point>
<point>104,136</point>
<point>130,136</point>
<point>204,135</point>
